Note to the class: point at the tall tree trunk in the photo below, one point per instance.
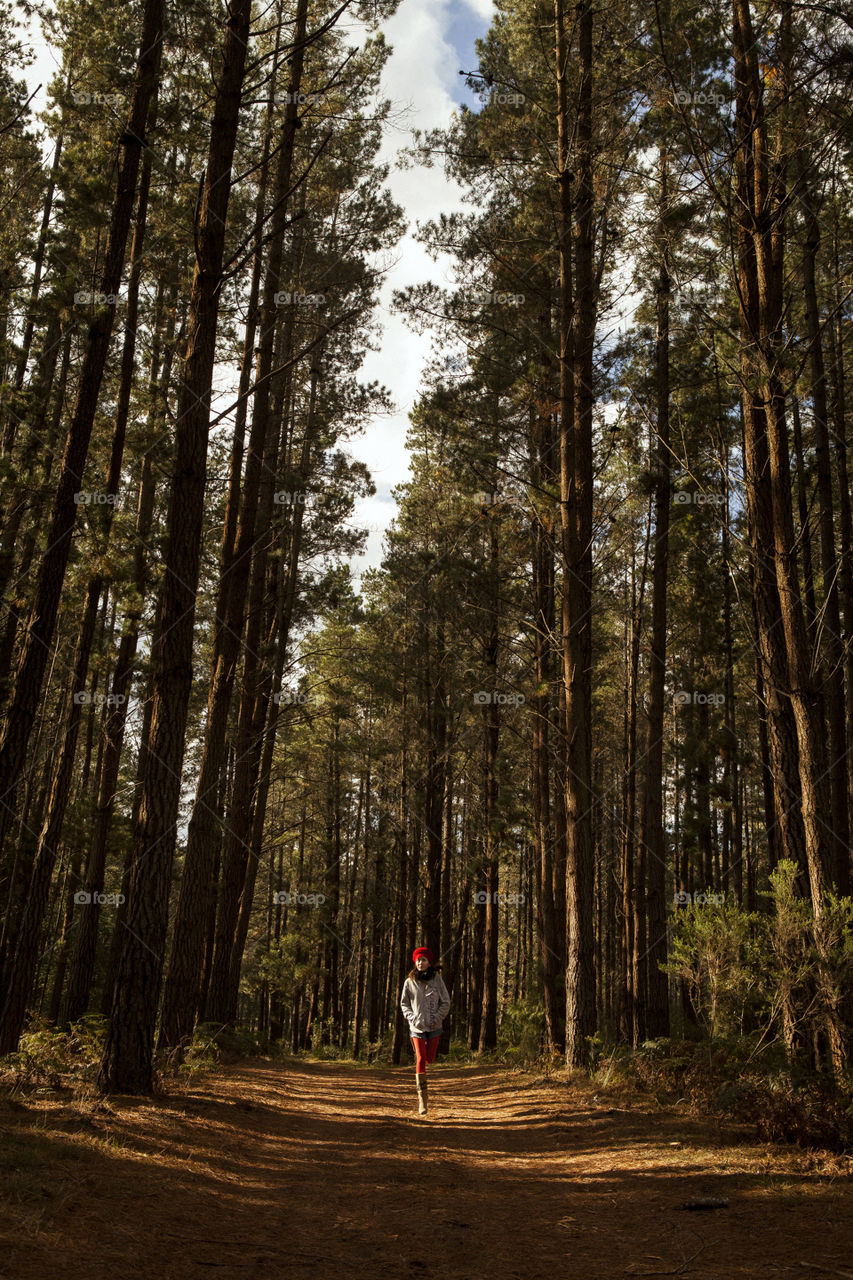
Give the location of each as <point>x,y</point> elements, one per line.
<point>835,332</point>
<point>128,1055</point>
<point>37,451</point>
<point>576,485</point>
<point>29,675</point>
<point>203,838</point>
<point>21,976</point>
<point>252,714</point>
<point>491,735</point>
<point>761,212</point>
<point>833,656</point>
<point>634,868</point>
<point>12,421</point>
<point>85,940</point>
<point>804,512</point>
<point>543,827</point>
<point>434,781</point>
<point>401,940</point>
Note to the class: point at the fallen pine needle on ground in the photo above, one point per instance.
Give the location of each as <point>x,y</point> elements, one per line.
<point>272,1169</point>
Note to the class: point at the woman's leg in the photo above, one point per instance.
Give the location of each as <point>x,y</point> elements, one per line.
<point>432,1048</point>
<point>420,1047</point>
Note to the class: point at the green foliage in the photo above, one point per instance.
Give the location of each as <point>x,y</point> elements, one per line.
<point>714,952</point>
<point>48,1057</point>
<point>767,975</point>
<point>522,1033</point>
<point>324,1046</point>
<point>458,1052</point>
<point>729,1078</point>
<point>229,1042</point>
<point>203,1054</point>
<point>810,961</point>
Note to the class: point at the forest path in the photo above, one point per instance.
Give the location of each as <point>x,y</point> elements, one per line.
<point>265,1170</point>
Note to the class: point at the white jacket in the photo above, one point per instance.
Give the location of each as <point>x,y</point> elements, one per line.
<point>425,1004</point>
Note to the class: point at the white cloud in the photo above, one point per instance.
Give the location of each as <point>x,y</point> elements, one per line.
<point>483,8</point>
<point>421,79</point>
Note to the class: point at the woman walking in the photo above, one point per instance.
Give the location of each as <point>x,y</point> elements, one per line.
<point>425,1003</point>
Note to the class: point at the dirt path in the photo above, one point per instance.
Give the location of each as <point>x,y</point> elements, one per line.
<point>266,1170</point>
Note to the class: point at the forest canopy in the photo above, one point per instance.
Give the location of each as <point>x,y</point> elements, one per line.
<point>586,730</point>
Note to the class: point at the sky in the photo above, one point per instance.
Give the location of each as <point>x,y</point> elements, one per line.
<point>432,40</point>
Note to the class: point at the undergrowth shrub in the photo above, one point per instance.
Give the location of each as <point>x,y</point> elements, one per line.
<point>48,1057</point>
<point>728,1077</point>
<point>780,974</point>
<point>521,1034</point>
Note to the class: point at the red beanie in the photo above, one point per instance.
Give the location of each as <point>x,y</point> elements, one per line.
<point>422,951</point>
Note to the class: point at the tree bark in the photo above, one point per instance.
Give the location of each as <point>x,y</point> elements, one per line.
<point>576,484</point>
<point>651,826</point>
<point>181,997</point>
<point>127,1063</point>
<point>29,675</point>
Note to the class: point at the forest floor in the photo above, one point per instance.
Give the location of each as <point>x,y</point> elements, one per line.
<point>267,1169</point>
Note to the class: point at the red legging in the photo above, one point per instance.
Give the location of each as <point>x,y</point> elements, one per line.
<point>425,1051</point>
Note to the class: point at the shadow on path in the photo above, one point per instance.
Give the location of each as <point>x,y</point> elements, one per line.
<point>266,1170</point>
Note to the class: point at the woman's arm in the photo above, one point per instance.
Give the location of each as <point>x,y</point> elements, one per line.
<point>443,1000</point>
<point>406,1001</point>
